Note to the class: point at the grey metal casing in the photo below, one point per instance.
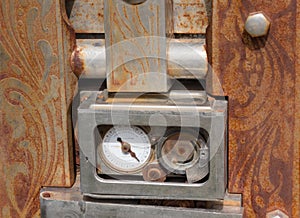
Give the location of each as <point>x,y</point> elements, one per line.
<point>212,118</point>
<point>186,58</point>
<point>68,202</point>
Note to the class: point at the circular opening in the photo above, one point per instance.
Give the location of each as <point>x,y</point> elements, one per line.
<point>178,151</point>
<point>134,2</point>
<point>46,195</point>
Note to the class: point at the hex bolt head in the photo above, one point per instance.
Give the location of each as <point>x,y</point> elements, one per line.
<point>257,24</point>
<point>276,214</point>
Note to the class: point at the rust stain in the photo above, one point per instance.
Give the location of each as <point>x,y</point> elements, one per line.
<point>100,15</point>
<point>34,133</point>
<point>195,8</point>
<point>77,64</point>
<point>46,195</point>
<point>153,172</point>
<point>190,16</point>
<point>128,28</point>
<point>260,148</point>
<point>3,76</point>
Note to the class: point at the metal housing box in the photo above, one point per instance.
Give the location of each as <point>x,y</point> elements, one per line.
<point>210,116</point>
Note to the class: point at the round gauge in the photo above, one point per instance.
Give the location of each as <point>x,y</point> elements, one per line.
<point>125,149</point>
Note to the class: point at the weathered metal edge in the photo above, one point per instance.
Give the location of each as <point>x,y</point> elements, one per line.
<point>63,202</point>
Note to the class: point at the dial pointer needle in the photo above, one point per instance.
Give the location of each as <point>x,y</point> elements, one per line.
<point>126,148</point>
<point>132,154</point>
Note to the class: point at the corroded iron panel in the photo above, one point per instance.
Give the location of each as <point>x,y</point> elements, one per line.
<point>261,78</point>
<point>190,16</point>
<point>36,88</point>
<point>86,16</point>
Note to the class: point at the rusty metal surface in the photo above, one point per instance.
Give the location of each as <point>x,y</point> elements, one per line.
<point>89,58</point>
<point>36,89</point>
<point>261,76</point>
<point>190,16</point>
<point>62,202</point>
<point>86,16</point>
<point>186,58</point>
<point>136,45</point>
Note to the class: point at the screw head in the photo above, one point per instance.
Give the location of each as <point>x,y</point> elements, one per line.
<point>257,24</point>
<point>276,214</point>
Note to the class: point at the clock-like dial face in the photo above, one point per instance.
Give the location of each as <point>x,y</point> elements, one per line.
<point>125,149</point>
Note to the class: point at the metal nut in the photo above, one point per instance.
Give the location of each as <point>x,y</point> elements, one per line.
<point>257,24</point>
<point>276,214</point>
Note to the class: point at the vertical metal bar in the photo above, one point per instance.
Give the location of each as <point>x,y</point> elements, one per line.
<point>136,45</point>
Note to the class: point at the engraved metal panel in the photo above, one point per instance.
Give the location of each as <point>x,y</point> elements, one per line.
<point>190,16</point>
<point>86,16</point>
<point>136,45</point>
<point>36,89</point>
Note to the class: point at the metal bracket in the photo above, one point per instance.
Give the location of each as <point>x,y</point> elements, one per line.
<point>68,202</point>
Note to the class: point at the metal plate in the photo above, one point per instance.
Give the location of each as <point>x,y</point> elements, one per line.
<point>190,16</point>
<point>136,45</point>
<point>86,16</point>
<point>62,202</point>
<point>36,92</point>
